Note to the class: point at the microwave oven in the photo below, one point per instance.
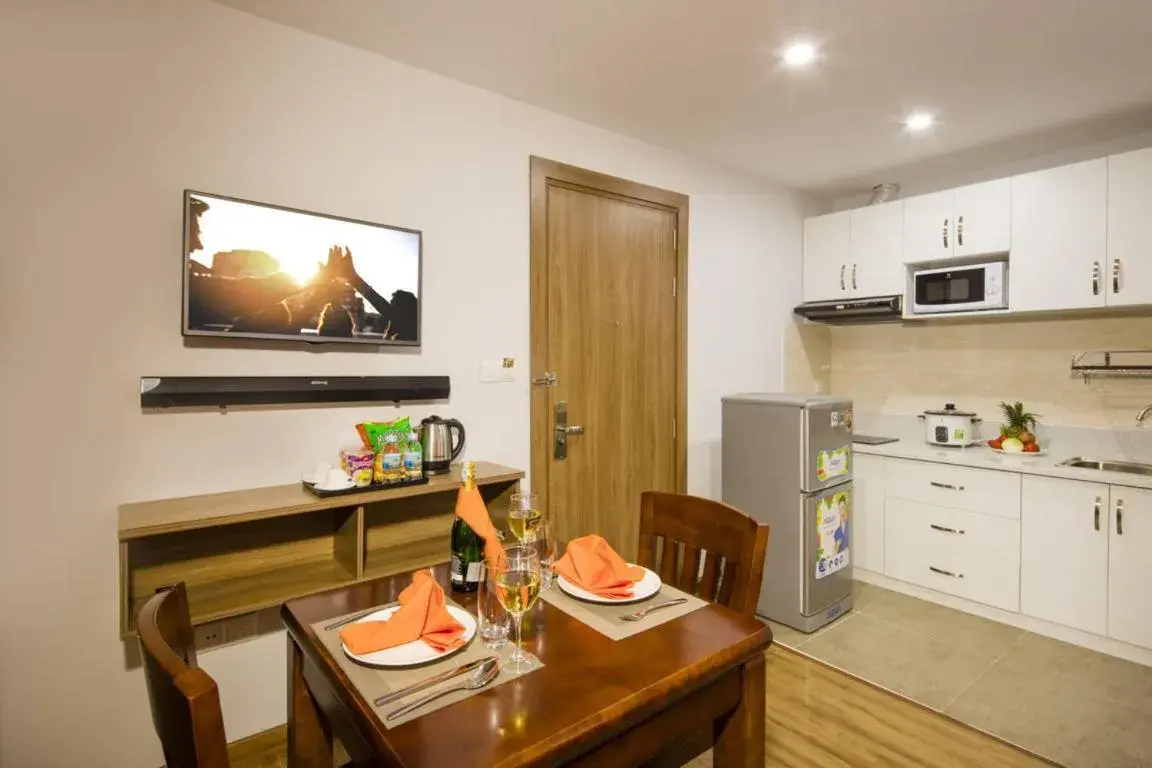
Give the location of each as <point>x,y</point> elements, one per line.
<point>961,288</point>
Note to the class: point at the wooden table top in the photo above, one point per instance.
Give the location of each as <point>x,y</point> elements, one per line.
<point>590,688</point>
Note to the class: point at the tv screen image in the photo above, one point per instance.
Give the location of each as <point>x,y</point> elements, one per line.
<point>260,271</point>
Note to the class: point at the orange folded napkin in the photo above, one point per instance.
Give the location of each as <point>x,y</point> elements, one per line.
<point>472,510</point>
<point>422,616</point>
<point>591,564</point>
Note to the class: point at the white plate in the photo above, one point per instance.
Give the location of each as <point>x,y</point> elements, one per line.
<point>350,483</point>
<point>416,652</point>
<point>641,590</point>
<point>1010,453</point>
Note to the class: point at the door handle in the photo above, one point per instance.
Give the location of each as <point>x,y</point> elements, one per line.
<point>547,380</point>
<point>842,278</point>
<point>853,277</point>
<point>943,572</point>
<point>1095,278</point>
<point>561,431</point>
<point>941,528</point>
<point>945,233</point>
<point>1096,514</point>
<point>960,231</point>
<point>935,484</point>
<point>1119,517</point>
<point>1116,275</point>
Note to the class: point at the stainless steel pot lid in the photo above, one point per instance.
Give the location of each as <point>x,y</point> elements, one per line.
<point>949,410</point>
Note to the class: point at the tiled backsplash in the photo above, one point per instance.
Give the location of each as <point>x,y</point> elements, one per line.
<point>903,369</point>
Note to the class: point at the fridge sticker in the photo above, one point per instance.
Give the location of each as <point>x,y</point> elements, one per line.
<point>830,464</point>
<point>832,534</point>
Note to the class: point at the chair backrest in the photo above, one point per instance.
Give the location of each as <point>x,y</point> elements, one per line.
<point>706,548</point>
<point>184,698</point>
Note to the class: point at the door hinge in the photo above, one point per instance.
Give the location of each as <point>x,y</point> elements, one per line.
<point>673,287</point>
<point>675,239</point>
<point>673,427</point>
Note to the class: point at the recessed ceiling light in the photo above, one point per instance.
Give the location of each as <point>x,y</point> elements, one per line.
<point>799,55</point>
<point>918,122</point>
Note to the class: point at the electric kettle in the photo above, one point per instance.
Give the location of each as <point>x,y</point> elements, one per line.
<point>438,445</point>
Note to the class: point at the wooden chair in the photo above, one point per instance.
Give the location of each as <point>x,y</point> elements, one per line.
<point>184,698</point>
<point>729,544</point>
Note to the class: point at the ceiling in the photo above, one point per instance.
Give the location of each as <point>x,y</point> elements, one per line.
<point>702,76</point>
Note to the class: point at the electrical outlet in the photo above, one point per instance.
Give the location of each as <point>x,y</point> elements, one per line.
<point>243,627</point>
<point>209,635</point>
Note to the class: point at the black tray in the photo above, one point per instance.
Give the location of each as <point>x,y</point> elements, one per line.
<point>362,488</point>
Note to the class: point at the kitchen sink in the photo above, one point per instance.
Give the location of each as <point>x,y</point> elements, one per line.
<point>1130,467</point>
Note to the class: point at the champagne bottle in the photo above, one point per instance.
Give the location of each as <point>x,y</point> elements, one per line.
<point>467,546</point>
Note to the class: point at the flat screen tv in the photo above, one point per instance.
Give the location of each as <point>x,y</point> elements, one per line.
<point>260,271</point>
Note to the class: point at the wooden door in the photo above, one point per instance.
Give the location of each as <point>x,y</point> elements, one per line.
<point>1129,567</point>
<point>1129,269</point>
<point>929,227</point>
<point>1064,552</point>
<point>826,256</point>
<point>608,315</point>
<point>983,218</point>
<point>1059,238</point>
<point>877,251</point>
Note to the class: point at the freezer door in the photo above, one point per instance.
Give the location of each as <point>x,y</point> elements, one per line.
<point>827,548</point>
<point>826,445</point>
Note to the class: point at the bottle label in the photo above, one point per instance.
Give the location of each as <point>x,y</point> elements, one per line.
<point>473,575</point>
<point>457,570</point>
<point>391,461</point>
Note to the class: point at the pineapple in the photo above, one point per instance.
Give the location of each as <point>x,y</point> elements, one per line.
<point>1018,422</point>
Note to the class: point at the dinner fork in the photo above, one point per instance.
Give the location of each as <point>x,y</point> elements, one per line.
<point>640,614</point>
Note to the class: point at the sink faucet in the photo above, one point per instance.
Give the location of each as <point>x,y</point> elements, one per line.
<point>1143,414</point>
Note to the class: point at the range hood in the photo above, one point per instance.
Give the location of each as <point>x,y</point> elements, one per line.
<point>879,309</point>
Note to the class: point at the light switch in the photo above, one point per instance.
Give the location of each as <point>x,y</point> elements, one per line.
<point>498,371</point>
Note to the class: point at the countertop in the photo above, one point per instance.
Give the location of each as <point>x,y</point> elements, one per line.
<point>1061,443</point>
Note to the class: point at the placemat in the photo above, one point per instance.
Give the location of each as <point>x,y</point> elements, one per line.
<point>373,682</point>
<point>606,620</point>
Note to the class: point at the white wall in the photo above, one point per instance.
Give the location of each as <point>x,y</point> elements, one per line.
<point>110,109</point>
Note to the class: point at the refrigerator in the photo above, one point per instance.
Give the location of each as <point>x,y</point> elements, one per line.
<point>786,460</point>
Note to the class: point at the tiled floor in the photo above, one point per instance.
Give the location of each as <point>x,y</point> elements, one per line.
<point>1078,707</point>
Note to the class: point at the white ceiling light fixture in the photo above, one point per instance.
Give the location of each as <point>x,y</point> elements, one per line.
<point>919,122</point>
<point>799,55</point>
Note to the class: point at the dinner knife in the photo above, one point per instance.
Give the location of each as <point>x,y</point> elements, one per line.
<point>355,616</point>
<point>463,669</point>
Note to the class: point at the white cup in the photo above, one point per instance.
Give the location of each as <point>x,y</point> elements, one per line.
<point>321,472</point>
<point>334,480</point>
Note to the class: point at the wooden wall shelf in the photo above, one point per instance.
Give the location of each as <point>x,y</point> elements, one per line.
<point>244,551</point>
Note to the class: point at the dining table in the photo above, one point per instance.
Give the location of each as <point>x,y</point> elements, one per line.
<point>696,680</point>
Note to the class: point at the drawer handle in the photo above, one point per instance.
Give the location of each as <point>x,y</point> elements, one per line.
<point>935,527</point>
<point>935,484</point>
<point>1096,512</point>
<point>943,572</point>
<point>1120,517</point>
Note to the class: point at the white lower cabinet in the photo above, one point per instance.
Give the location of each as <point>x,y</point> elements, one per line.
<point>1130,566</point>
<point>967,554</point>
<point>868,513</point>
<point>1064,552</point>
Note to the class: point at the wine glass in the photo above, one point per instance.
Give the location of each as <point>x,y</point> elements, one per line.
<point>517,587</point>
<point>524,515</point>
<point>545,545</point>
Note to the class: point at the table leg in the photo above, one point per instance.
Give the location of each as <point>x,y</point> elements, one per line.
<point>309,735</point>
<point>739,734</point>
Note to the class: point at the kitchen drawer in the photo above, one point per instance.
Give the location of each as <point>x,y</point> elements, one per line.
<point>946,485</point>
<point>963,553</point>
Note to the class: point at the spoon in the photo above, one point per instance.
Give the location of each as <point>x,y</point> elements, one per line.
<point>483,675</point>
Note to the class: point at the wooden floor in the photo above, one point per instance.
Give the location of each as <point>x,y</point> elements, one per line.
<point>817,716</point>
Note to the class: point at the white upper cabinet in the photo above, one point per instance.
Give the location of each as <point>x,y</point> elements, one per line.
<point>1128,272</point>
<point>1059,238</point>
<point>929,227</point>
<point>876,266</point>
<point>826,256</point>
<point>983,218</point>
<point>1130,567</point>
<point>1064,552</point>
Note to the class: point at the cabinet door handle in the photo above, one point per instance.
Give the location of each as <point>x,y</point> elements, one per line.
<point>945,233</point>
<point>1119,517</point>
<point>1096,513</point>
<point>943,572</point>
<point>853,277</point>
<point>842,278</point>
<point>960,231</point>
<point>935,527</point>
<point>1095,278</point>
<point>935,484</point>
<point>1116,275</point>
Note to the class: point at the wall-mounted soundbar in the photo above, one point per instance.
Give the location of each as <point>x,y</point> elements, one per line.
<point>222,391</point>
